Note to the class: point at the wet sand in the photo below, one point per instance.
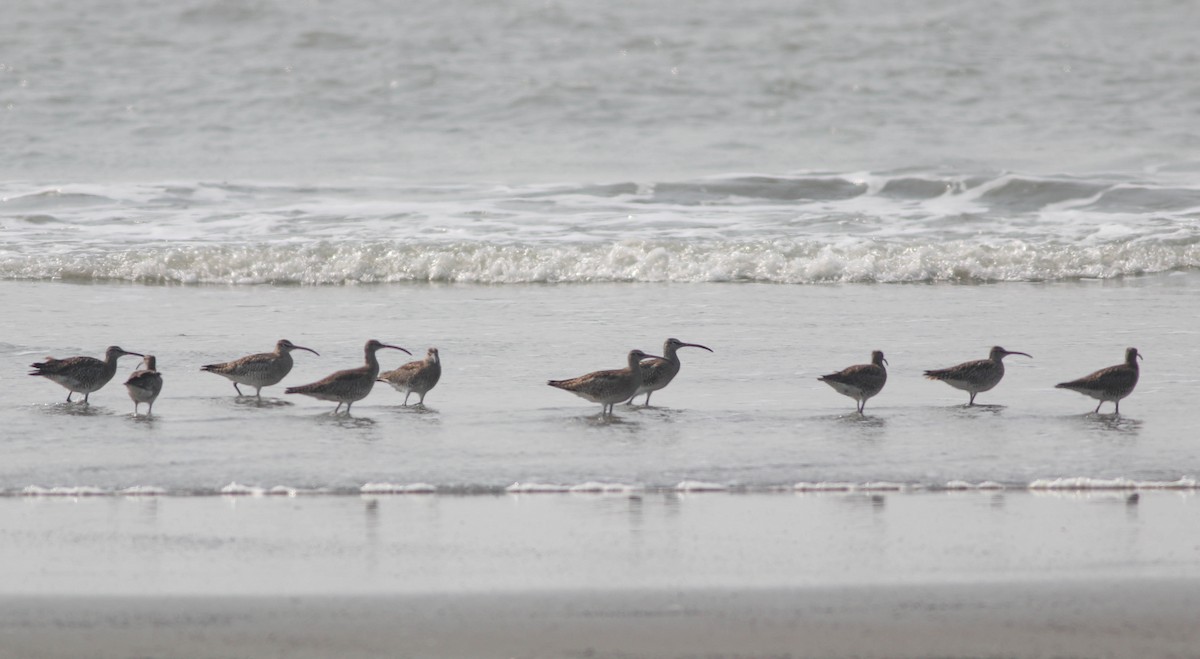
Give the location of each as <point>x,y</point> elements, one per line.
<point>1042,619</point>
<point>652,574</point>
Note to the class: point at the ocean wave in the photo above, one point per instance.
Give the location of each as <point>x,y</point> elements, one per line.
<point>765,261</point>
<point>802,229</point>
<point>1063,485</point>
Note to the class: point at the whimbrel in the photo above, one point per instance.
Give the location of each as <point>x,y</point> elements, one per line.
<point>1112,383</point>
<point>82,374</point>
<point>860,381</point>
<point>349,385</point>
<point>607,387</point>
<point>976,376</point>
<point>416,377</point>
<point>261,370</point>
<point>144,384</point>
<point>659,371</point>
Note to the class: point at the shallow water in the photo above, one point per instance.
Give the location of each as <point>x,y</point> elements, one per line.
<point>751,415</point>
<point>537,187</point>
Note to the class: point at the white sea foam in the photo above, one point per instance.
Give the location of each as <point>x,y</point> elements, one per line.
<point>1085,483</point>
<point>875,486</point>
<point>793,230</point>
<point>968,486</point>
<point>143,491</point>
<point>535,488</point>
<point>1049,486</point>
<point>394,488</point>
<point>700,486</point>
<point>64,491</point>
<point>237,489</point>
<point>603,488</point>
<point>774,261</point>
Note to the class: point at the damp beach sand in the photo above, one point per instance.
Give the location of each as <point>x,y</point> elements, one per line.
<point>648,574</point>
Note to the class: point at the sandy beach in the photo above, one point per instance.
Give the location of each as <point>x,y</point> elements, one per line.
<point>1040,619</point>
<point>1012,574</point>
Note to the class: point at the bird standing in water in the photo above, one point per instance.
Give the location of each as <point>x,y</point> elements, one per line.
<point>145,384</point>
<point>416,377</point>
<point>1108,384</point>
<point>977,376</point>
<point>259,370</point>
<point>350,385</point>
<point>657,372</point>
<point>861,381</point>
<point>82,375</point>
<point>607,387</point>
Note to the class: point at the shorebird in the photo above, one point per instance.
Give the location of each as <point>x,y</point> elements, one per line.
<point>1112,383</point>
<point>976,376</point>
<point>860,381</point>
<point>349,385</point>
<point>608,387</point>
<point>261,370</point>
<point>659,371</point>
<point>144,385</point>
<point>82,374</point>
<point>416,377</point>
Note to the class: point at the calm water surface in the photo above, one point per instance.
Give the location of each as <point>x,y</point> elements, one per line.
<point>749,415</point>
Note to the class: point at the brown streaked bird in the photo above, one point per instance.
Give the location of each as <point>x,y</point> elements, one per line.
<point>416,377</point>
<point>861,381</point>
<point>259,370</point>
<point>607,387</point>
<point>350,385</point>
<point>659,371</point>
<point>1112,383</point>
<point>82,375</point>
<point>145,384</point>
<point>976,376</point>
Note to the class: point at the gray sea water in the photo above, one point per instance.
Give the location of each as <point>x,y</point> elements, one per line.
<point>538,187</point>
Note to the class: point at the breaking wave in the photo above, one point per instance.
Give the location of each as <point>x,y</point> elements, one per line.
<point>807,229</point>
<point>766,261</point>
<point>1081,484</point>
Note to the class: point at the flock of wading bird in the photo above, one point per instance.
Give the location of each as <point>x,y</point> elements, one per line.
<point>644,374</point>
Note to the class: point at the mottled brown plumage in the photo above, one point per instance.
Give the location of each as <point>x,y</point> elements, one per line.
<point>659,371</point>
<point>1109,384</point>
<point>416,377</point>
<point>259,370</point>
<point>350,385</point>
<point>607,387</point>
<point>861,381</point>
<point>81,374</point>
<point>976,376</point>
<point>145,384</point>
